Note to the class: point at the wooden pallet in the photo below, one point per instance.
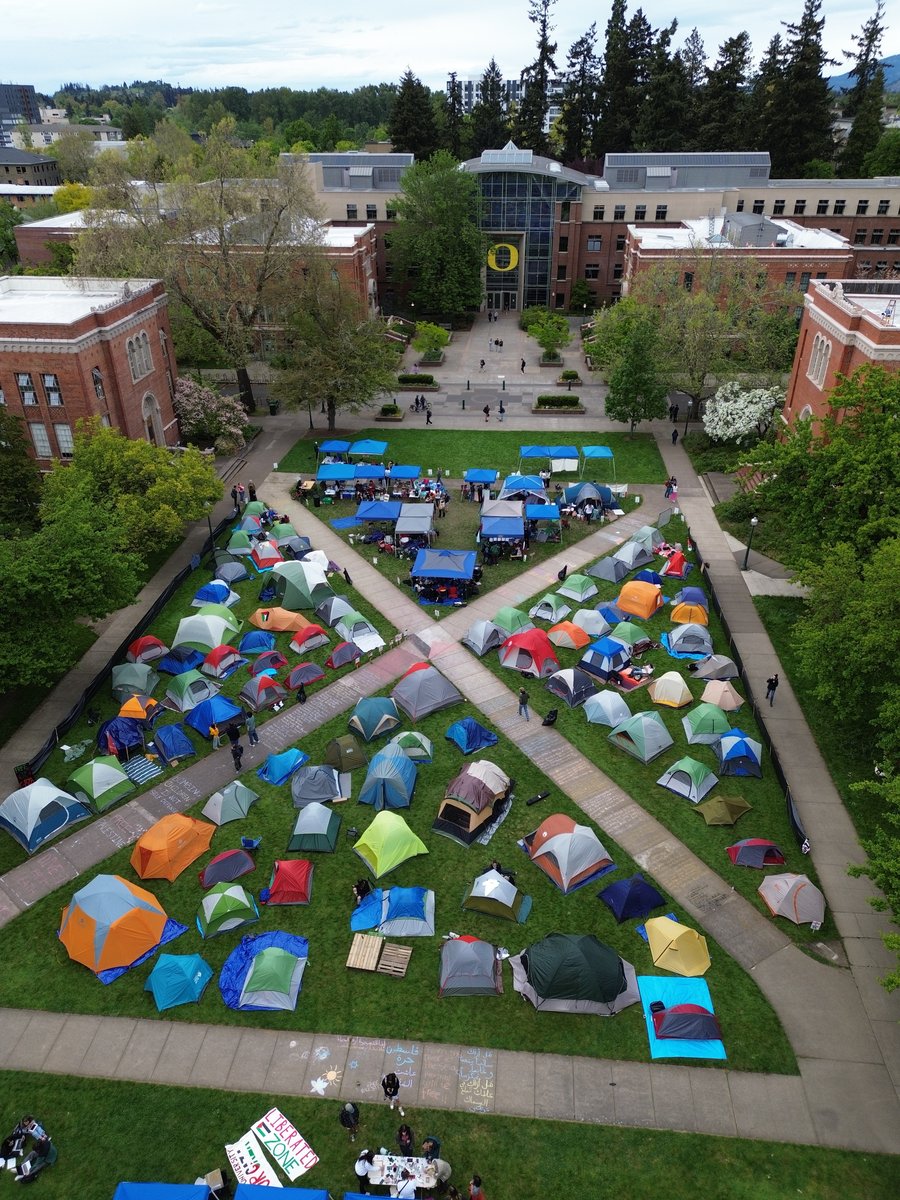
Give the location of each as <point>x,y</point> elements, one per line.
<point>364,952</point>
<point>394,960</point>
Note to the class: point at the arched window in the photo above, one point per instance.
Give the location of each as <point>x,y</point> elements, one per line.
<point>153,420</point>
<point>97,380</point>
<point>146,357</point>
<point>140,359</point>
<point>805,413</point>
<point>819,359</point>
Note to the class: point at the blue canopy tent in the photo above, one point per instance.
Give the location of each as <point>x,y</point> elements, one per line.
<point>479,475</point>
<point>369,471</point>
<point>405,472</point>
<point>444,564</point>
<point>597,452</point>
<point>335,472</point>
<point>558,455</point>
<point>161,1191</point>
<point>334,446</point>
<point>541,512</point>
<point>523,487</point>
<point>378,510</point>
<point>505,528</point>
<point>367,448</point>
<point>255,1191</point>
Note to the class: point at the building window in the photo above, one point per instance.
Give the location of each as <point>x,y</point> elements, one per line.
<point>822,208</point>
<point>40,439</point>
<point>862,207</point>
<point>799,208</point>
<point>881,267</point>
<point>859,237</point>
<point>877,237</point>
<point>620,243</point>
<point>599,211</point>
<point>27,394</point>
<point>759,207</point>
<point>619,212</point>
<point>778,208</point>
<point>563,245</point>
<point>893,237</point>
<point>805,277</point>
<point>564,212</point>
<point>640,212</point>
<point>883,206</point>
<point>561,271</point>
<point>390,214</point>
<point>97,380</point>
<point>2,398</point>
<point>371,212</point>
<point>689,281</point>
<point>739,206</point>
<point>559,300</point>
<point>662,212</point>
<point>140,359</point>
<point>592,271</point>
<point>351,212</point>
<point>595,243</point>
<point>64,440</point>
<point>617,271</point>
<point>52,390</point>
<point>818,361</point>
<point>839,207</point>
<point>821,274</point>
<point>790,279</point>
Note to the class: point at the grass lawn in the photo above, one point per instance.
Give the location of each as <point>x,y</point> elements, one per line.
<point>768,818</point>
<point>100,1143</point>
<point>17,705</point>
<point>637,458</point>
<point>39,973</point>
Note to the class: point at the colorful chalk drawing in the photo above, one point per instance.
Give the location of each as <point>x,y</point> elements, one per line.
<point>476,1079</point>
<point>404,1062</point>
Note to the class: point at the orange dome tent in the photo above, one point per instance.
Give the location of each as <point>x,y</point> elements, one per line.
<point>170,846</point>
<point>640,599</point>
<point>690,614</point>
<point>111,923</point>
<point>277,620</point>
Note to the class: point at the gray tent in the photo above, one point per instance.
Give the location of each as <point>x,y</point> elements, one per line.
<point>606,708</point>
<point>470,968</point>
<point>424,692</point>
<point>648,536</point>
<point>320,785</point>
<point>130,679</point>
<point>483,636</point>
<point>593,624</point>
<point>717,666</point>
<point>316,828</point>
<point>643,736</point>
<point>612,569</point>
<point>415,519</point>
<point>332,609</point>
<point>232,572</point>
<point>633,555</point>
<point>690,639</point>
<point>493,894</point>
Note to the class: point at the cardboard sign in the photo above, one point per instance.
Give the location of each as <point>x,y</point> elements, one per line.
<point>249,1163</point>
<point>287,1145</point>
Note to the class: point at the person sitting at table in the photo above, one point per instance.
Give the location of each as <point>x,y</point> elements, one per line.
<point>362,1166</point>
<point>406,1141</point>
<point>442,1172</point>
<point>431,1148</point>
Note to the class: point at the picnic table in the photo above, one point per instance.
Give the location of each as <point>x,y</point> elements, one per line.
<point>386,1171</point>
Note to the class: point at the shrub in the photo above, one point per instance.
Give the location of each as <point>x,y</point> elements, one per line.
<point>532,315</point>
<point>415,379</point>
<point>570,376</point>
<point>566,400</point>
<point>390,410</point>
<point>205,415</point>
<point>430,339</point>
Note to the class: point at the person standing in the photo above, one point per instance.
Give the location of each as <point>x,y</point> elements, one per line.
<point>674,436</point>
<point>242,494</point>
<point>234,498</point>
<point>362,1166</point>
<point>771,688</point>
<point>406,1188</point>
<point>234,733</point>
<point>250,725</point>
<point>490,344</point>
<point>487,412</point>
<point>523,704</point>
<point>216,736</point>
<point>674,413</point>
<point>406,1141</point>
<point>251,490</point>
<point>501,412</point>
<point>390,1085</point>
<point>481,365</point>
<point>349,1118</point>
<point>442,1173</point>
<point>428,420</point>
<point>237,753</point>
<point>301,694</point>
<point>522,366</point>
<point>668,491</point>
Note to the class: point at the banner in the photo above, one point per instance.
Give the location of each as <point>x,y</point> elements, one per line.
<point>287,1145</point>
<point>249,1163</point>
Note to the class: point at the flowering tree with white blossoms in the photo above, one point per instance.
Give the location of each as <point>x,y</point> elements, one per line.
<point>205,414</point>
<point>736,415</point>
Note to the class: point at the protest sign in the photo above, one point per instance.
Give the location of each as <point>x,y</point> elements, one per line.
<point>287,1145</point>
<point>249,1164</point>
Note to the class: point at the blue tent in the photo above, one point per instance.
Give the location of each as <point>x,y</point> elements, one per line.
<point>578,493</point>
<point>534,452</point>
<point>604,657</point>
<point>368,448</point>
<point>278,768</point>
<point>335,472</point>
<point>444,564</point>
<point>632,897</point>
<point>689,595</point>
<point>515,486</point>
<point>255,1191</point>
<point>369,471</point>
<point>172,742</point>
<point>334,446</point>
<point>214,711</point>
<point>739,754</point>
<point>178,979</point>
<point>119,734</point>
<point>611,612</point>
<point>405,472</point>
<point>541,512</point>
<point>256,641</point>
<point>179,660</point>
<point>563,451</point>
<point>378,510</point>
<point>502,527</point>
<point>161,1191</point>
<point>479,475</point>
<point>470,736</point>
<point>216,591</point>
<point>648,576</point>
<point>373,717</point>
<point>390,781</point>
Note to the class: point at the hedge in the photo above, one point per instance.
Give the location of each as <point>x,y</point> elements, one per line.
<point>416,380</point>
<point>566,400</point>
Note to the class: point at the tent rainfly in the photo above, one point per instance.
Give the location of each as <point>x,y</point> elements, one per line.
<point>495,895</point>
<point>676,948</point>
<point>688,778</point>
<point>469,967</point>
<point>574,973</point>
<point>570,855</point>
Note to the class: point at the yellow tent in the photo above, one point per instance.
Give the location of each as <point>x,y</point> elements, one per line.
<point>671,690</point>
<point>690,614</point>
<point>677,948</point>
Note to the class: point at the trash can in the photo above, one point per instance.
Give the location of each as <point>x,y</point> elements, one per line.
<point>317,501</point>
<point>274,406</point>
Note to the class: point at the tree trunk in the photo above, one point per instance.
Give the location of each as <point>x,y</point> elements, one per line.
<point>245,389</point>
<point>331,415</point>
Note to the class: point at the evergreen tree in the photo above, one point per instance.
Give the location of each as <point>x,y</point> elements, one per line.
<point>724,109</point>
<point>863,102</point>
<point>629,57</point>
<point>693,57</point>
<point>412,126</point>
<point>579,106</point>
<point>665,112</point>
<point>532,115</point>
<point>802,129</point>
<point>490,124</point>
<point>765,94</point>
<point>454,116</point>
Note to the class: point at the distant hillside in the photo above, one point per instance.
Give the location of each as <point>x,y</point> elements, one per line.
<point>891,76</point>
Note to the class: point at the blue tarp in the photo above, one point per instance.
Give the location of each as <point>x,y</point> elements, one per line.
<point>470,736</point>
<point>534,452</point>
<point>379,510</point>
<point>278,768</point>
<point>172,742</point>
<point>406,472</point>
<point>502,527</point>
<point>255,1191</point>
<point>171,930</point>
<point>478,475</point>
<point>368,447</point>
<point>180,659</point>
<point>444,564</point>
<point>239,962</point>
<point>563,451</point>
<point>671,992</point>
<point>334,446</point>
<point>664,639</point>
<point>161,1191</point>
<point>542,512</point>
<point>215,711</point>
<point>369,471</point>
<point>124,732</point>
<point>333,472</point>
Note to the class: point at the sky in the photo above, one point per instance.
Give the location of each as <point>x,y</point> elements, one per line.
<point>274,43</point>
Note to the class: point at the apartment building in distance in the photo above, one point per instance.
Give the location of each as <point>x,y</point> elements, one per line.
<point>28,170</point>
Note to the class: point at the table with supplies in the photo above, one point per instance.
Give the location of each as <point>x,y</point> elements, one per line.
<point>387,1171</point>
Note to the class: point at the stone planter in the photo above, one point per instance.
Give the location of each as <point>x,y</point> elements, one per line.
<point>567,383</point>
<point>553,363</point>
<point>418,387</point>
<point>573,411</point>
<point>425,364</point>
<point>390,418</point>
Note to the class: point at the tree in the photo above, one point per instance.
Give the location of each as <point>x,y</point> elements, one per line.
<point>636,390</point>
<point>666,107</point>
<point>454,116</point>
<point>736,415</point>
<point>20,478</point>
<point>863,102</point>
<point>883,856</point>
<point>209,416</point>
<point>437,239</point>
<point>71,197</point>
<point>229,236</point>
<point>74,154</point>
<point>802,131</point>
<point>147,492</point>
<point>490,123</point>
<point>612,330</point>
<point>10,217</point>
<point>614,127</point>
<point>531,118</point>
<point>693,56</point>
<point>581,298</point>
<point>335,356</point>
<point>725,106</point>
<point>430,339</point>
<point>412,126</point>
<point>766,93</point>
<point>551,332</point>
<point>579,100</point>
<point>885,158</point>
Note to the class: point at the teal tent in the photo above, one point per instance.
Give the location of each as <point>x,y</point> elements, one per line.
<point>391,780</point>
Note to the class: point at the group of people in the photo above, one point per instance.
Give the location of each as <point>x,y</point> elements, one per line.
<point>241,496</point>
<point>671,492</point>
<point>12,1150</point>
<point>232,733</point>
<point>501,410</point>
<point>430,1150</point>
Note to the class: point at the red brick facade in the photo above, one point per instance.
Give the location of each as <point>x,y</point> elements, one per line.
<point>75,348</point>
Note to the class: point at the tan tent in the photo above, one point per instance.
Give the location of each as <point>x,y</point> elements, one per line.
<point>677,948</point>
<point>670,689</point>
<point>722,693</point>
<point>794,897</point>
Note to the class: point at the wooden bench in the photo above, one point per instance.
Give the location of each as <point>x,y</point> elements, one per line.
<point>394,960</point>
<point>364,952</point>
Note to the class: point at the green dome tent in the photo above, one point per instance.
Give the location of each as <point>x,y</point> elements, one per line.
<point>273,981</point>
<point>387,844</point>
<point>232,803</point>
<point>224,908</point>
<point>705,724</point>
<point>511,620</point>
<point>316,829</point>
<point>131,678</point>
<point>100,783</point>
<point>492,894</point>
<point>688,778</point>
<point>643,736</point>
<point>574,973</point>
<point>345,754</point>
<point>414,745</point>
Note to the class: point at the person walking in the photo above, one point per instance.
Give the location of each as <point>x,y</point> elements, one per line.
<point>362,1166</point>
<point>771,688</point>
<point>234,733</point>
<point>301,694</point>
<point>428,420</point>
<point>481,367</point>
<point>522,366</point>
<point>674,413</point>
<point>490,344</point>
<point>668,491</point>
<point>501,413</point>
<point>234,499</point>
<point>390,1085</point>
<point>523,704</point>
<point>242,494</point>
<point>349,1118</point>
<point>237,753</point>
<point>250,726</point>
<point>487,413</point>
<point>674,436</point>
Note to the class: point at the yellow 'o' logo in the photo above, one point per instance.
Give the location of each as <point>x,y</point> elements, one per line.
<point>511,255</point>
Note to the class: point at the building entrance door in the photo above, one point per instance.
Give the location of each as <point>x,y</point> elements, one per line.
<point>502,301</point>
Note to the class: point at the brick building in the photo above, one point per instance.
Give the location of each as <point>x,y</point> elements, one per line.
<point>845,325</point>
<point>28,170</point>
<point>76,348</point>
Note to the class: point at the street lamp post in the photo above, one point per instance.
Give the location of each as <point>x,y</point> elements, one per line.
<point>687,415</point>
<point>754,521</point>
<point>209,524</point>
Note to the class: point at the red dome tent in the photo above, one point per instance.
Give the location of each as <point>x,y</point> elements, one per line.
<point>530,652</point>
<point>291,882</point>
